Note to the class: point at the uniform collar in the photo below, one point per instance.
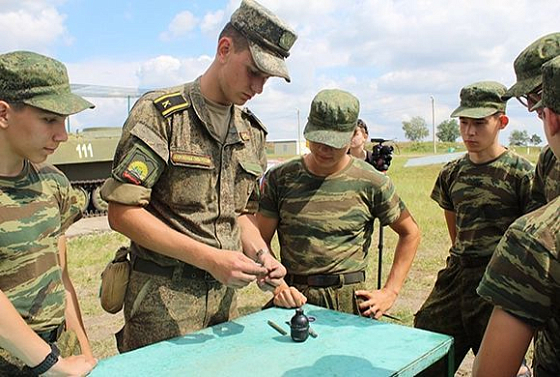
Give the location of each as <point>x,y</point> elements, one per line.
<point>238,131</point>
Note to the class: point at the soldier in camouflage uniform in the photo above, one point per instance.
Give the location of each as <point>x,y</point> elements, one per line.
<point>481,194</point>
<point>528,89</point>
<point>39,313</point>
<point>323,206</point>
<point>523,278</point>
<point>184,187</point>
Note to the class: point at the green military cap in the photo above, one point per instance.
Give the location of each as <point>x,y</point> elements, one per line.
<point>38,81</point>
<point>480,100</point>
<point>528,64</point>
<point>551,86</point>
<point>270,39</point>
<point>332,118</point>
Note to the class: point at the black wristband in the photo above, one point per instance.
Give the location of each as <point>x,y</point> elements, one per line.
<point>48,363</point>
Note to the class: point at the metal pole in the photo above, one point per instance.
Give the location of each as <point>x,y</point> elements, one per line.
<point>380,260</point>
<point>433,123</point>
<point>298,146</point>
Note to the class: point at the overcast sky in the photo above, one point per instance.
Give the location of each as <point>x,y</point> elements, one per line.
<point>394,55</point>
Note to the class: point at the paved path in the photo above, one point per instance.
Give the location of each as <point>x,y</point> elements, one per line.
<point>88,225</point>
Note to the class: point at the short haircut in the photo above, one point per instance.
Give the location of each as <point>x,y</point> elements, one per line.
<point>240,43</point>
<point>362,125</point>
<point>17,106</point>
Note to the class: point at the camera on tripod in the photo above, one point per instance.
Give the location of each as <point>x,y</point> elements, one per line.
<point>382,154</point>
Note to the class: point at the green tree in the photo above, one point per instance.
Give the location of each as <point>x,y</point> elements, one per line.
<point>519,138</point>
<point>448,130</point>
<point>535,139</point>
<point>415,129</point>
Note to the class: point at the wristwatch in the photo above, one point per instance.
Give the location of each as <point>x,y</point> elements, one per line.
<point>48,363</point>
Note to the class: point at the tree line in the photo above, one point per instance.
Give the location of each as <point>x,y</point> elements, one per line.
<point>417,130</point>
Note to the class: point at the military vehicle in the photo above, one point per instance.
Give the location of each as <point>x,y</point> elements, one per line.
<point>86,159</point>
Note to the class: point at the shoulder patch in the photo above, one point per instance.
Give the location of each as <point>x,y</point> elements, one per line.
<point>171,103</point>
<point>253,118</point>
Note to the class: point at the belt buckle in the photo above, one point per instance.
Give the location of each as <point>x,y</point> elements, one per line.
<point>340,281</point>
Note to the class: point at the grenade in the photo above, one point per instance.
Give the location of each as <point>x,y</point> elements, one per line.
<point>299,326</point>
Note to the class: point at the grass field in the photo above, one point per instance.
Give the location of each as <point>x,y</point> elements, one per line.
<point>89,254</point>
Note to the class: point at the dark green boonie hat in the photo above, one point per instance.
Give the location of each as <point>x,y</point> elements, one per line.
<point>38,81</point>
<point>551,86</point>
<point>332,118</point>
<point>270,39</point>
<point>480,100</point>
<point>528,64</point>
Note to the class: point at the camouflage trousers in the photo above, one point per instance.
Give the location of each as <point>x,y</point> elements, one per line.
<point>67,343</point>
<point>454,308</point>
<point>158,308</point>
<point>336,298</point>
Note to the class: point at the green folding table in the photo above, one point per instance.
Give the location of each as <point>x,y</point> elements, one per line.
<point>346,345</point>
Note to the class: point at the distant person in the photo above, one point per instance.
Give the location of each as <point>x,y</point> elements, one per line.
<point>323,206</point>
<point>358,143</point>
<point>523,278</point>
<point>528,89</point>
<point>40,322</point>
<point>481,194</point>
<point>184,187</point>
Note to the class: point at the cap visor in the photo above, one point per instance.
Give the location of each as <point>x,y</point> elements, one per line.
<point>62,103</point>
<point>476,113</point>
<point>269,63</point>
<point>333,139</point>
<point>523,87</point>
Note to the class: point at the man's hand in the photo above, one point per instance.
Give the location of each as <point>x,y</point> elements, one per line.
<point>72,366</point>
<point>275,272</point>
<point>377,302</point>
<point>288,297</point>
<point>234,269</point>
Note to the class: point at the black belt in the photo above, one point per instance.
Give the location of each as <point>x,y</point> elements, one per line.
<point>470,261</point>
<point>189,272</point>
<point>327,280</point>
<point>51,336</point>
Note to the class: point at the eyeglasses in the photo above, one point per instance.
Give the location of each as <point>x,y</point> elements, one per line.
<point>532,98</point>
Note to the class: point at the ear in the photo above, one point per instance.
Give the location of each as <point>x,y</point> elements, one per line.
<point>552,121</point>
<point>504,120</point>
<point>4,107</point>
<point>225,47</point>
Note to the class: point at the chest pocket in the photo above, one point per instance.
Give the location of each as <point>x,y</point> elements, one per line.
<point>191,179</point>
<point>247,183</point>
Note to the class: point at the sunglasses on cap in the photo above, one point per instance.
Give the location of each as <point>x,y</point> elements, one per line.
<point>530,99</point>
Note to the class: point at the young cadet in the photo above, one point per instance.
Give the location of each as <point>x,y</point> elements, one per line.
<point>481,194</point>
<point>323,206</point>
<point>523,278</point>
<point>184,187</point>
<point>358,143</point>
<point>528,89</point>
<point>40,321</point>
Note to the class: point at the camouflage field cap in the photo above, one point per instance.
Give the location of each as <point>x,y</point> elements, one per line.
<point>270,39</point>
<point>480,100</point>
<point>528,64</point>
<point>38,81</point>
<point>332,118</point>
<point>551,86</point>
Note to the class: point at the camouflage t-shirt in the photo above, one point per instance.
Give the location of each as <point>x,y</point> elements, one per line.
<point>546,185</point>
<point>325,223</point>
<point>173,161</point>
<point>523,278</point>
<point>486,199</point>
<point>36,208</point>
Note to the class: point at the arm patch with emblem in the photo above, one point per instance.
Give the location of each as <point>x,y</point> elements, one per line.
<point>171,103</point>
